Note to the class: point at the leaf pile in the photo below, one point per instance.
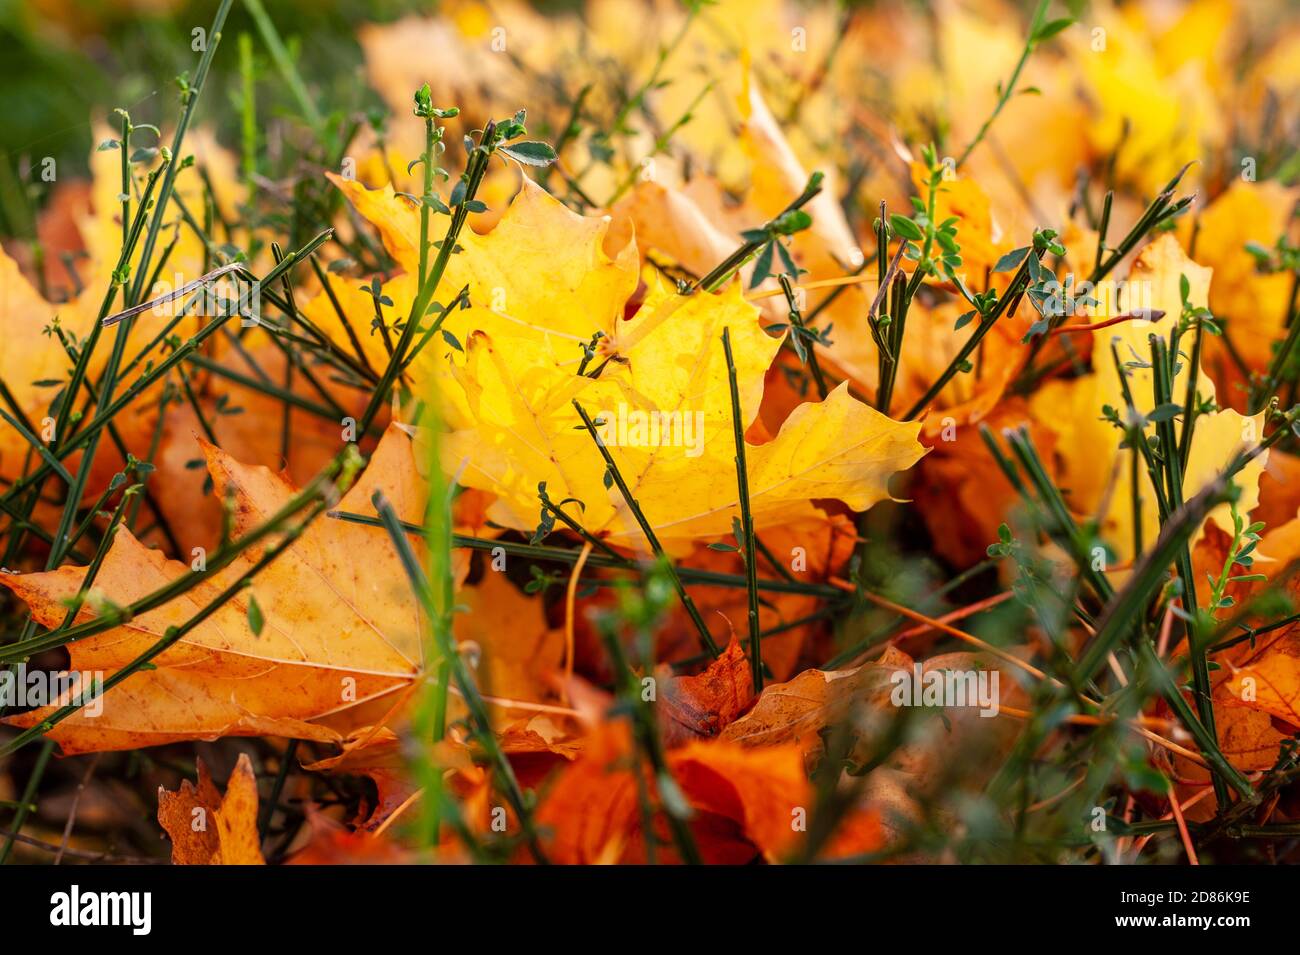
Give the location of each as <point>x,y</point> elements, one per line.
<point>704,433</point>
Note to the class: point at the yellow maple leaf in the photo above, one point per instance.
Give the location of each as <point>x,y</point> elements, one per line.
<point>540,283</point>
<point>664,414</point>
<point>542,274</point>
<point>1153,90</point>
<point>777,176</point>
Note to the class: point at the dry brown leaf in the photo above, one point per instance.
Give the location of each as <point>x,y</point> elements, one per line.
<point>698,707</point>
<point>799,711</point>
<point>377,755</point>
<point>746,803</point>
<point>796,712</point>
<point>207,828</point>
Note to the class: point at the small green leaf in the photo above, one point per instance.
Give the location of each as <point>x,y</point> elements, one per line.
<point>905,227</point>
<point>255,619</point>
<point>1049,30</point>
<point>1165,412</point>
<point>423,101</point>
<point>762,266</point>
<point>530,153</point>
<point>1011,261</point>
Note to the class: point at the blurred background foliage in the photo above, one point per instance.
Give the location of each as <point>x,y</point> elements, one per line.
<point>64,62</point>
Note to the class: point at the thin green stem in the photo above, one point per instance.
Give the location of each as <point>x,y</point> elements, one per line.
<point>706,638</point>
<point>463,679</point>
<point>562,555</point>
<point>248,106</point>
<point>1009,88</point>
<point>1015,290</point>
<point>720,273</point>
<point>285,66</point>
<point>746,518</point>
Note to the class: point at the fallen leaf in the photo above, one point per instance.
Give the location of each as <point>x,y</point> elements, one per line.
<point>746,803</point>
<point>341,624</point>
<point>331,843</point>
<point>797,711</point>
<point>207,828</point>
<point>377,755</point>
<point>809,551</point>
<point>1252,303</point>
<point>698,707</point>
<point>524,433</point>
